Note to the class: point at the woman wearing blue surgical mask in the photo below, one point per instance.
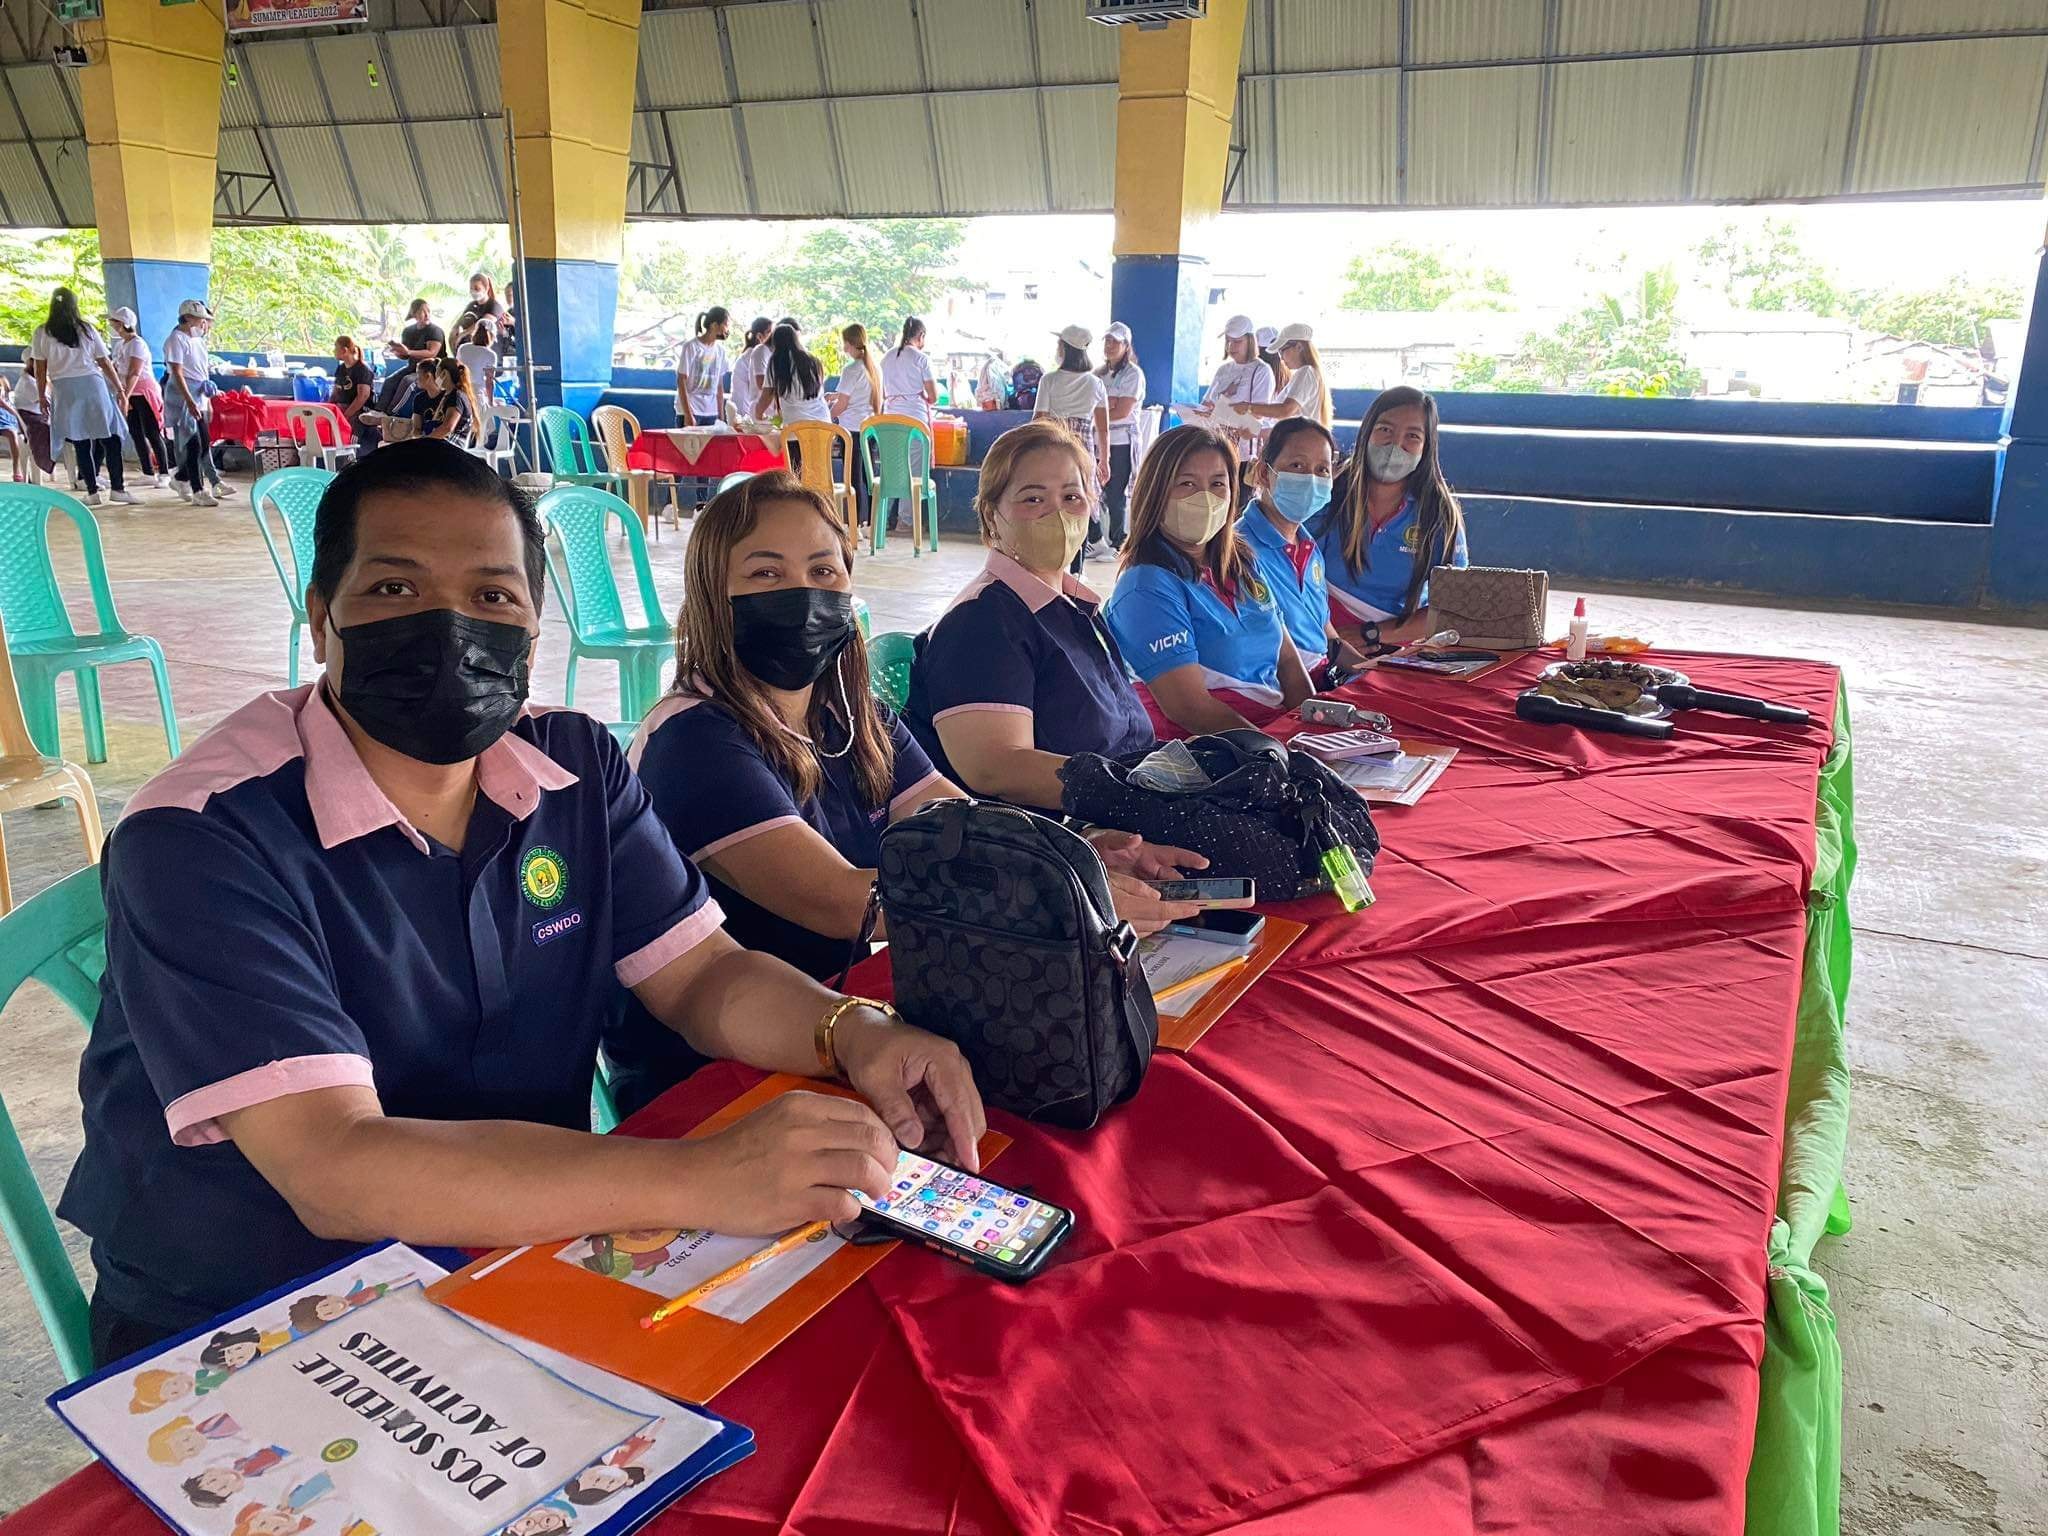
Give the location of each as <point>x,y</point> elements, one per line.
<point>1291,483</point>
<point>1192,613</point>
<point>1390,522</point>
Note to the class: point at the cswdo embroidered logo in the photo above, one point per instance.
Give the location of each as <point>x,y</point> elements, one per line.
<point>553,928</point>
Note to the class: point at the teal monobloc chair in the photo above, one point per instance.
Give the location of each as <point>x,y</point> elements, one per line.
<point>39,630</point>
<point>572,458</point>
<point>293,497</point>
<point>58,938</point>
<point>580,567</point>
<point>889,659</point>
<point>898,454</point>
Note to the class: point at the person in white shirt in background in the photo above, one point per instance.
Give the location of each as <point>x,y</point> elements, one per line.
<point>77,378</point>
<point>1124,381</point>
<point>1305,393</point>
<point>14,433</point>
<point>795,387</point>
<point>700,372</point>
<point>992,389</point>
<point>185,407</point>
<point>1269,339</point>
<point>144,402</point>
<point>27,399</point>
<point>857,398</point>
<point>907,385</point>
<point>1243,379</point>
<point>751,366</point>
<point>1077,399</point>
<point>479,355</point>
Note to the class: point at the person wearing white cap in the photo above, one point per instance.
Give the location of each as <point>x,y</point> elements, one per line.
<point>1075,397</point>
<point>1305,393</point>
<point>1125,381</point>
<point>77,378</point>
<point>145,402</point>
<point>1243,379</point>
<point>185,370</point>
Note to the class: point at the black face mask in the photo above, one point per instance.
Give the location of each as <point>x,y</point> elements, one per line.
<point>788,638</point>
<point>438,686</point>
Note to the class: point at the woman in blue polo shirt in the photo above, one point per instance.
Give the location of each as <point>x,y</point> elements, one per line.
<point>1291,484</point>
<point>1021,672</point>
<point>1200,625</point>
<point>1391,520</point>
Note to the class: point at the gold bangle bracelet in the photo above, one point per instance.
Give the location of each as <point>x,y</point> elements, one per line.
<point>828,1051</point>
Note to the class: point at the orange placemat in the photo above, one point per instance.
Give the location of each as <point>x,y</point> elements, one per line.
<point>1180,1031</point>
<point>694,1355</point>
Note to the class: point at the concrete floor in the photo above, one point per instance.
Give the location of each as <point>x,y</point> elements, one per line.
<point>1940,1289</point>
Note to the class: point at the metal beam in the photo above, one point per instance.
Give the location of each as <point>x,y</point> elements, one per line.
<point>348,171</point>
<point>1865,55</point>
<point>391,83</point>
<point>263,140</point>
<point>675,165</point>
<point>931,116</point>
<point>1402,49</point>
<point>1695,109</point>
<point>476,99</point>
<point>739,118</point>
<point>1037,104</point>
<point>1546,96</point>
<point>1272,97</point>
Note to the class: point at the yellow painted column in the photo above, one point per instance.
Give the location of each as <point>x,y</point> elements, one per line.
<point>567,69</point>
<point>1176,87</point>
<point>151,97</point>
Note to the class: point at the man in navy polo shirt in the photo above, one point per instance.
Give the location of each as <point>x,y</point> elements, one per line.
<point>361,940</point>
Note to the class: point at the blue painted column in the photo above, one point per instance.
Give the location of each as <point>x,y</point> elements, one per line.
<point>567,317</point>
<point>1164,300</point>
<point>2018,575</point>
<point>154,290</point>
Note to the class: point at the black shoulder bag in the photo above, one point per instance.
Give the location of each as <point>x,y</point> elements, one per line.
<point>1003,938</point>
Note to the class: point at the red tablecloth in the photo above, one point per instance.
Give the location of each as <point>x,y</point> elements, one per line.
<point>1456,1223</point>
<point>740,453</point>
<point>239,416</point>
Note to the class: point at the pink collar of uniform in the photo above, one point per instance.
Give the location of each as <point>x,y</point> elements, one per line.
<point>347,803</point>
<point>1035,590</point>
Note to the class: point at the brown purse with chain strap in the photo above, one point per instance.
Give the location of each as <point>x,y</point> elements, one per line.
<point>1491,608</point>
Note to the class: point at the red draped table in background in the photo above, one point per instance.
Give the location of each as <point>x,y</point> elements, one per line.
<point>719,454</point>
<point>1455,1223</point>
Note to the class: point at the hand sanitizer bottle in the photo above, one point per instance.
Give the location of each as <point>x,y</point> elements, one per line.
<point>1575,642</point>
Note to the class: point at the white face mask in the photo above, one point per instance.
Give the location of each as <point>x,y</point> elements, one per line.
<point>1390,461</point>
<point>1197,518</point>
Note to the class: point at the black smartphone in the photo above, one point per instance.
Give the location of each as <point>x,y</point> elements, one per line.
<point>1222,925</point>
<point>1205,889</point>
<point>965,1217</point>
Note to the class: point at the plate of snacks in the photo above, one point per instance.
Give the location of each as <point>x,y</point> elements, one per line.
<point>1626,687</point>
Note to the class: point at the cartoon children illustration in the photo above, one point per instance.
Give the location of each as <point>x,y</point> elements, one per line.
<point>231,1349</point>
<point>214,1486</point>
<point>614,1473</point>
<point>179,1440</point>
<point>620,1254</point>
<point>356,1525</point>
<point>287,1518</point>
<point>310,1312</point>
<point>154,1388</point>
<point>548,1519</point>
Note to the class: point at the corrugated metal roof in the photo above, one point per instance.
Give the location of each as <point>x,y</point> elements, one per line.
<point>792,156</point>
<point>1951,114</point>
<point>868,46</point>
<point>389,188</point>
<point>1774,125</point>
<point>462,185</point>
<point>65,160</point>
<point>1080,131</point>
<point>1895,17</point>
<point>1292,35</point>
<point>426,70</point>
<point>309,163</point>
<point>708,161</point>
<point>1454,31</point>
<point>988,153</point>
<point>1773,21</point>
<point>1072,50</point>
<point>21,183</point>
<point>1620,26</point>
<point>1614,135</point>
<point>39,91</point>
<point>279,76</point>
<point>345,63</point>
<point>679,59</point>
<point>1472,137</point>
<point>1325,140</point>
<point>480,47</point>
<point>239,151</point>
<point>887,149</point>
<point>773,53</point>
<point>237,100</point>
<point>987,43</point>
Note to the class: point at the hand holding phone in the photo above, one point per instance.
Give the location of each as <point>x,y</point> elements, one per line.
<point>1209,891</point>
<point>997,1230</point>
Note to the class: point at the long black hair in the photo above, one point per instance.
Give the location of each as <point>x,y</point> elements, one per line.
<point>65,324</point>
<point>790,368</point>
<point>1438,518</point>
<point>710,317</point>
<point>913,330</point>
<point>1073,359</point>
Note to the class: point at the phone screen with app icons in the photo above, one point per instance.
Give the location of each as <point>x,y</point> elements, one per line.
<point>997,1227</point>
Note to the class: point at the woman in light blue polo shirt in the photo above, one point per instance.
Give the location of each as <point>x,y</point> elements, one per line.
<point>1291,484</point>
<point>1191,613</point>
<point>1390,522</point>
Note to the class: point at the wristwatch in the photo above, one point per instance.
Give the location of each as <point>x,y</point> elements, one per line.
<point>827,1048</point>
<point>1372,634</point>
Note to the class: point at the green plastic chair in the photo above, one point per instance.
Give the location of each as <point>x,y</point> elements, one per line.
<point>737,477</point>
<point>573,459</point>
<point>863,618</point>
<point>889,659</point>
<point>40,636</point>
<point>581,569</point>
<point>892,447</point>
<point>58,938</point>
<point>294,495</point>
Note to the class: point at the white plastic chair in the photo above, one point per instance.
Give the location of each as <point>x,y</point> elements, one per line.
<point>315,452</point>
<point>498,443</point>
<point>1145,429</point>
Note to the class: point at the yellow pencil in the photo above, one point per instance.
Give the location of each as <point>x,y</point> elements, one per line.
<point>1201,976</point>
<point>753,1261</point>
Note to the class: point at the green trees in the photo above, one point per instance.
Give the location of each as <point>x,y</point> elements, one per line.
<point>1400,276</point>
<point>1626,342</point>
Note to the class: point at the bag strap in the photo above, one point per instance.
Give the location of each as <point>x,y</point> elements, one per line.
<point>856,950</point>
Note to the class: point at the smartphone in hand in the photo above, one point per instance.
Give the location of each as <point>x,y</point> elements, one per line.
<point>1209,891</point>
